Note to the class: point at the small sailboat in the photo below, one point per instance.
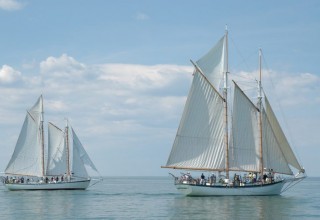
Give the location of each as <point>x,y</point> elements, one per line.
<point>60,165</point>
<point>244,150</point>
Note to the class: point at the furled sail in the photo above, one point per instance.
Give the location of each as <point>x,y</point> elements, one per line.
<point>199,143</point>
<point>244,147</point>
<point>281,138</point>
<point>213,64</point>
<point>27,156</point>
<point>80,158</point>
<point>57,158</point>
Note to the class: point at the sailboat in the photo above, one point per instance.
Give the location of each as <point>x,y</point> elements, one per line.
<point>244,151</point>
<point>60,166</point>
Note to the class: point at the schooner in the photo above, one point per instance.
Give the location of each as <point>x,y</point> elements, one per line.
<point>62,165</point>
<point>253,155</point>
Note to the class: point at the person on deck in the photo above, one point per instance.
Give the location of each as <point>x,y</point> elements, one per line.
<point>202,179</point>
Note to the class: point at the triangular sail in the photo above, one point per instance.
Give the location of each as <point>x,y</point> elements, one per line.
<point>273,156</point>
<point>80,158</point>
<point>244,148</point>
<point>57,158</point>
<point>28,155</point>
<point>199,143</point>
<point>213,64</point>
<point>281,138</point>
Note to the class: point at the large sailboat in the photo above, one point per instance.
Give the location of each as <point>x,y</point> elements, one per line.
<point>244,151</point>
<point>60,165</point>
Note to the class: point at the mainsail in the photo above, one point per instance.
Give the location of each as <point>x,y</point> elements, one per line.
<point>199,140</point>
<point>27,157</point>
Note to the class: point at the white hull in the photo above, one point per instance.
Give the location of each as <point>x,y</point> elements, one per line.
<point>79,185</point>
<point>219,190</point>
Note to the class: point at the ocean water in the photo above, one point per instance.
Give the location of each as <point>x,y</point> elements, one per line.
<point>156,198</point>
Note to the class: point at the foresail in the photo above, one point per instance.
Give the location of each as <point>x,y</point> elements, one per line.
<point>281,138</point>
<point>244,145</point>
<point>273,156</point>
<point>199,143</point>
<point>57,156</point>
<point>27,157</point>
<point>214,63</point>
<point>80,158</point>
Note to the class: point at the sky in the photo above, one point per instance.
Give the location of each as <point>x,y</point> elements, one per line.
<point>120,71</point>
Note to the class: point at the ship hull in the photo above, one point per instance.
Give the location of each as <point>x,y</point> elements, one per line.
<point>74,185</point>
<point>220,190</point>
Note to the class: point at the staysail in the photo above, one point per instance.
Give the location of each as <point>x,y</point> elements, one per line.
<point>57,158</point>
<point>80,158</point>
<point>284,146</point>
<point>27,157</point>
<point>244,148</point>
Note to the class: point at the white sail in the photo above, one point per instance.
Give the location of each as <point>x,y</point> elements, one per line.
<point>199,143</point>
<point>28,153</point>
<point>273,157</point>
<point>213,64</point>
<point>281,138</point>
<point>37,110</point>
<point>57,158</point>
<point>244,148</point>
<point>80,158</point>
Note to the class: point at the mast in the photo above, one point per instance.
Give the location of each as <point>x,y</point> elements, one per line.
<point>225,96</point>
<point>42,136</point>
<point>260,113</point>
<point>67,147</point>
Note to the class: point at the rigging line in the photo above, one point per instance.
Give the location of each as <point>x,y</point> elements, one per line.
<point>98,181</point>
<point>291,184</point>
<point>243,59</point>
<point>281,111</point>
<point>244,77</point>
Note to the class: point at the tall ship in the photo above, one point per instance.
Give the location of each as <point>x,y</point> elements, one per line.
<point>60,165</point>
<point>242,151</point>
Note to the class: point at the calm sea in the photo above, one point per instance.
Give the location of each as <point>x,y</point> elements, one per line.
<point>156,198</point>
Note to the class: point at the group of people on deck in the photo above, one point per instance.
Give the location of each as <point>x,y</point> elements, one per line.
<point>14,179</point>
<point>238,180</point>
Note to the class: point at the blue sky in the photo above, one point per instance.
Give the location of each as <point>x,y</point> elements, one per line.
<point>120,70</point>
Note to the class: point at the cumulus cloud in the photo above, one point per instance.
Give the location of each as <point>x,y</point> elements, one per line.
<point>10,5</point>
<point>289,89</point>
<point>294,89</point>
<point>141,77</point>
<point>9,75</point>
<point>63,66</point>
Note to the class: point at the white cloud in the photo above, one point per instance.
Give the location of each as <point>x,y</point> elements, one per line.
<point>140,77</point>
<point>63,66</point>
<point>9,75</point>
<point>289,89</point>
<point>10,5</point>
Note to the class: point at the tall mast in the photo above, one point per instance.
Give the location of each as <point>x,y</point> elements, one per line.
<point>67,147</point>
<point>225,96</point>
<point>42,136</point>
<point>260,112</point>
